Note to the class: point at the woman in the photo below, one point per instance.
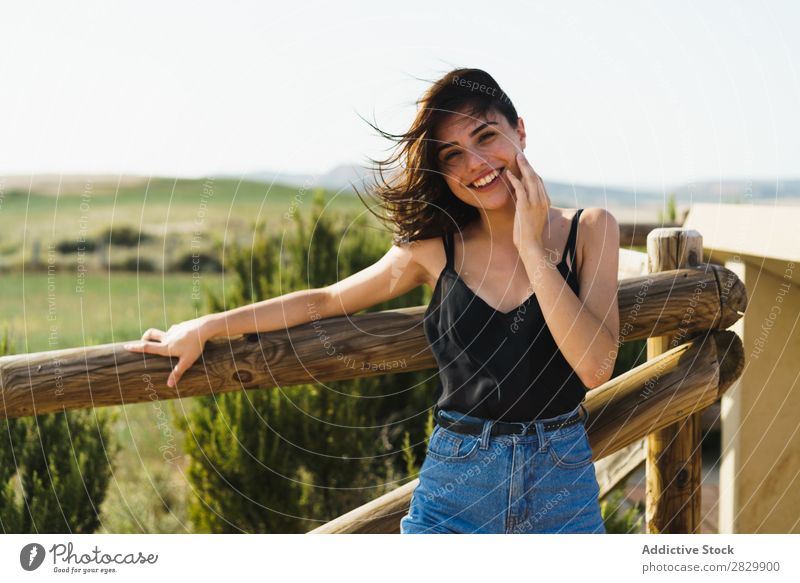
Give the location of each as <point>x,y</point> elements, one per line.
<point>523,316</point>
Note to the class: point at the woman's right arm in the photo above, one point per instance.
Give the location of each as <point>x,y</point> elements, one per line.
<point>393,275</point>
<point>396,273</point>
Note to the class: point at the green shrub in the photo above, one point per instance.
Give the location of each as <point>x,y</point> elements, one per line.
<point>201,262</point>
<point>124,236</point>
<point>73,246</point>
<point>285,460</point>
<point>54,469</point>
<point>617,518</point>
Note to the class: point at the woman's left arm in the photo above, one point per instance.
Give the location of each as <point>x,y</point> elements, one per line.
<point>586,329</point>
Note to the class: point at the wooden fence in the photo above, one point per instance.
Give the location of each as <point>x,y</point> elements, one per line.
<point>680,305</point>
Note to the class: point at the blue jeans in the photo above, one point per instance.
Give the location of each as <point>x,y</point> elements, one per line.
<point>543,482</point>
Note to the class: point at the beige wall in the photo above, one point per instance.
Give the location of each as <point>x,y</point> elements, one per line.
<point>760,468</point>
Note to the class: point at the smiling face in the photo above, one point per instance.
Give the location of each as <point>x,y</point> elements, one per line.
<point>474,155</point>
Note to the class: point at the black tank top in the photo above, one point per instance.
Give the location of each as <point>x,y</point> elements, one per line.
<point>497,365</point>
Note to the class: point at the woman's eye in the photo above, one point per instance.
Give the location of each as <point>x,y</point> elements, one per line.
<point>486,135</point>
<point>450,155</point>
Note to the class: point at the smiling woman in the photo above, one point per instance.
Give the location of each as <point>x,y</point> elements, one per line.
<point>425,164</point>
<point>515,323</point>
<point>523,316</point>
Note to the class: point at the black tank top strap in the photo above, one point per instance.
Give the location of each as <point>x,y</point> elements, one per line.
<point>448,249</point>
<point>570,249</point>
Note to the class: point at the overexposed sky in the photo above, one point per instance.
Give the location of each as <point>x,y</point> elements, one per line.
<point>639,94</point>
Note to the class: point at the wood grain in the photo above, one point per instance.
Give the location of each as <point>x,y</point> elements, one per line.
<point>327,350</point>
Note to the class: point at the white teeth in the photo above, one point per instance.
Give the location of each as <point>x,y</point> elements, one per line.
<point>486,179</point>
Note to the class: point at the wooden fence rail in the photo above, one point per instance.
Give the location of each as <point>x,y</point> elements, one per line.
<point>328,350</point>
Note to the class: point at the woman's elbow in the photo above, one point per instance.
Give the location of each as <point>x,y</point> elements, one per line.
<point>600,368</point>
<point>597,378</point>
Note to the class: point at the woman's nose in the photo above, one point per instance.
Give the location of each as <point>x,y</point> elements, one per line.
<point>474,162</point>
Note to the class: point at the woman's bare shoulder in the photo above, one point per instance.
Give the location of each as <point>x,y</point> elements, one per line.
<point>597,218</point>
<point>429,254</point>
<point>594,225</point>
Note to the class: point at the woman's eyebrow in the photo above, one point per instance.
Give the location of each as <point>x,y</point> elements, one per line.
<point>472,133</point>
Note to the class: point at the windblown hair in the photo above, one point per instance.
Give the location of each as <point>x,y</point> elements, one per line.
<point>410,187</point>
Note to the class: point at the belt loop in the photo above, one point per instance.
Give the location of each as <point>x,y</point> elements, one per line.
<point>540,435</point>
<point>485,433</point>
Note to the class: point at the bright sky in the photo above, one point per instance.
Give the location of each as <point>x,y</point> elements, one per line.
<point>639,94</point>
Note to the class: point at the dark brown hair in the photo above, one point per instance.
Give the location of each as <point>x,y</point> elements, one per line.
<point>411,189</point>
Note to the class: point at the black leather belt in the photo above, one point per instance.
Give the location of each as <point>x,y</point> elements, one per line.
<point>506,427</point>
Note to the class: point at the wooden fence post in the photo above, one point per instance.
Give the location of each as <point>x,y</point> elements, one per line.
<point>674,461</point>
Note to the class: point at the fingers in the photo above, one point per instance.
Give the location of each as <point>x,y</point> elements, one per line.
<point>544,201</point>
<point>542,190</point>
<point>148,347</point>
<point>177,372</point>
<point>528,178</point>
<point>160,349</point>
<point>534,186</point>
<point>519,188</point>
<point>534,183</point>
<point>153,334</point>
<point>532,180</point>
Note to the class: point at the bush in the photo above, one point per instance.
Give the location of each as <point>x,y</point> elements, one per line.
<point>124,236</point>
<point>285,460</point>
<point>54,470</point>
<point>617,520</point>
<point>201,262</point>
<point>73,246</point>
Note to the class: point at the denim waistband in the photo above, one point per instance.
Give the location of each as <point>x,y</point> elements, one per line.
<point>541,436</point>
<point>452,415</point>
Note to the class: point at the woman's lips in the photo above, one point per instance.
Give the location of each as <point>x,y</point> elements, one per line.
<point>492,184</point>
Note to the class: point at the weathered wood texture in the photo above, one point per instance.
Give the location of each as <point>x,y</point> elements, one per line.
<point>674,461</point>
<point>635,234</point>
<point>326,350</point>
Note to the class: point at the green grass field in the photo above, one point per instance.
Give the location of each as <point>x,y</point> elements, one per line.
<point>182,215</point>
<point>174,210</point>
<point>46,312</point>
<point>148,493</point>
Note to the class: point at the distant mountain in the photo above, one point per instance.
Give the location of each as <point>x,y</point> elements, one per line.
<point>341,177</point>
<point>739,190</point>
<point>627,204</point>
<point>336,179</point>
<point>644,205</point>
